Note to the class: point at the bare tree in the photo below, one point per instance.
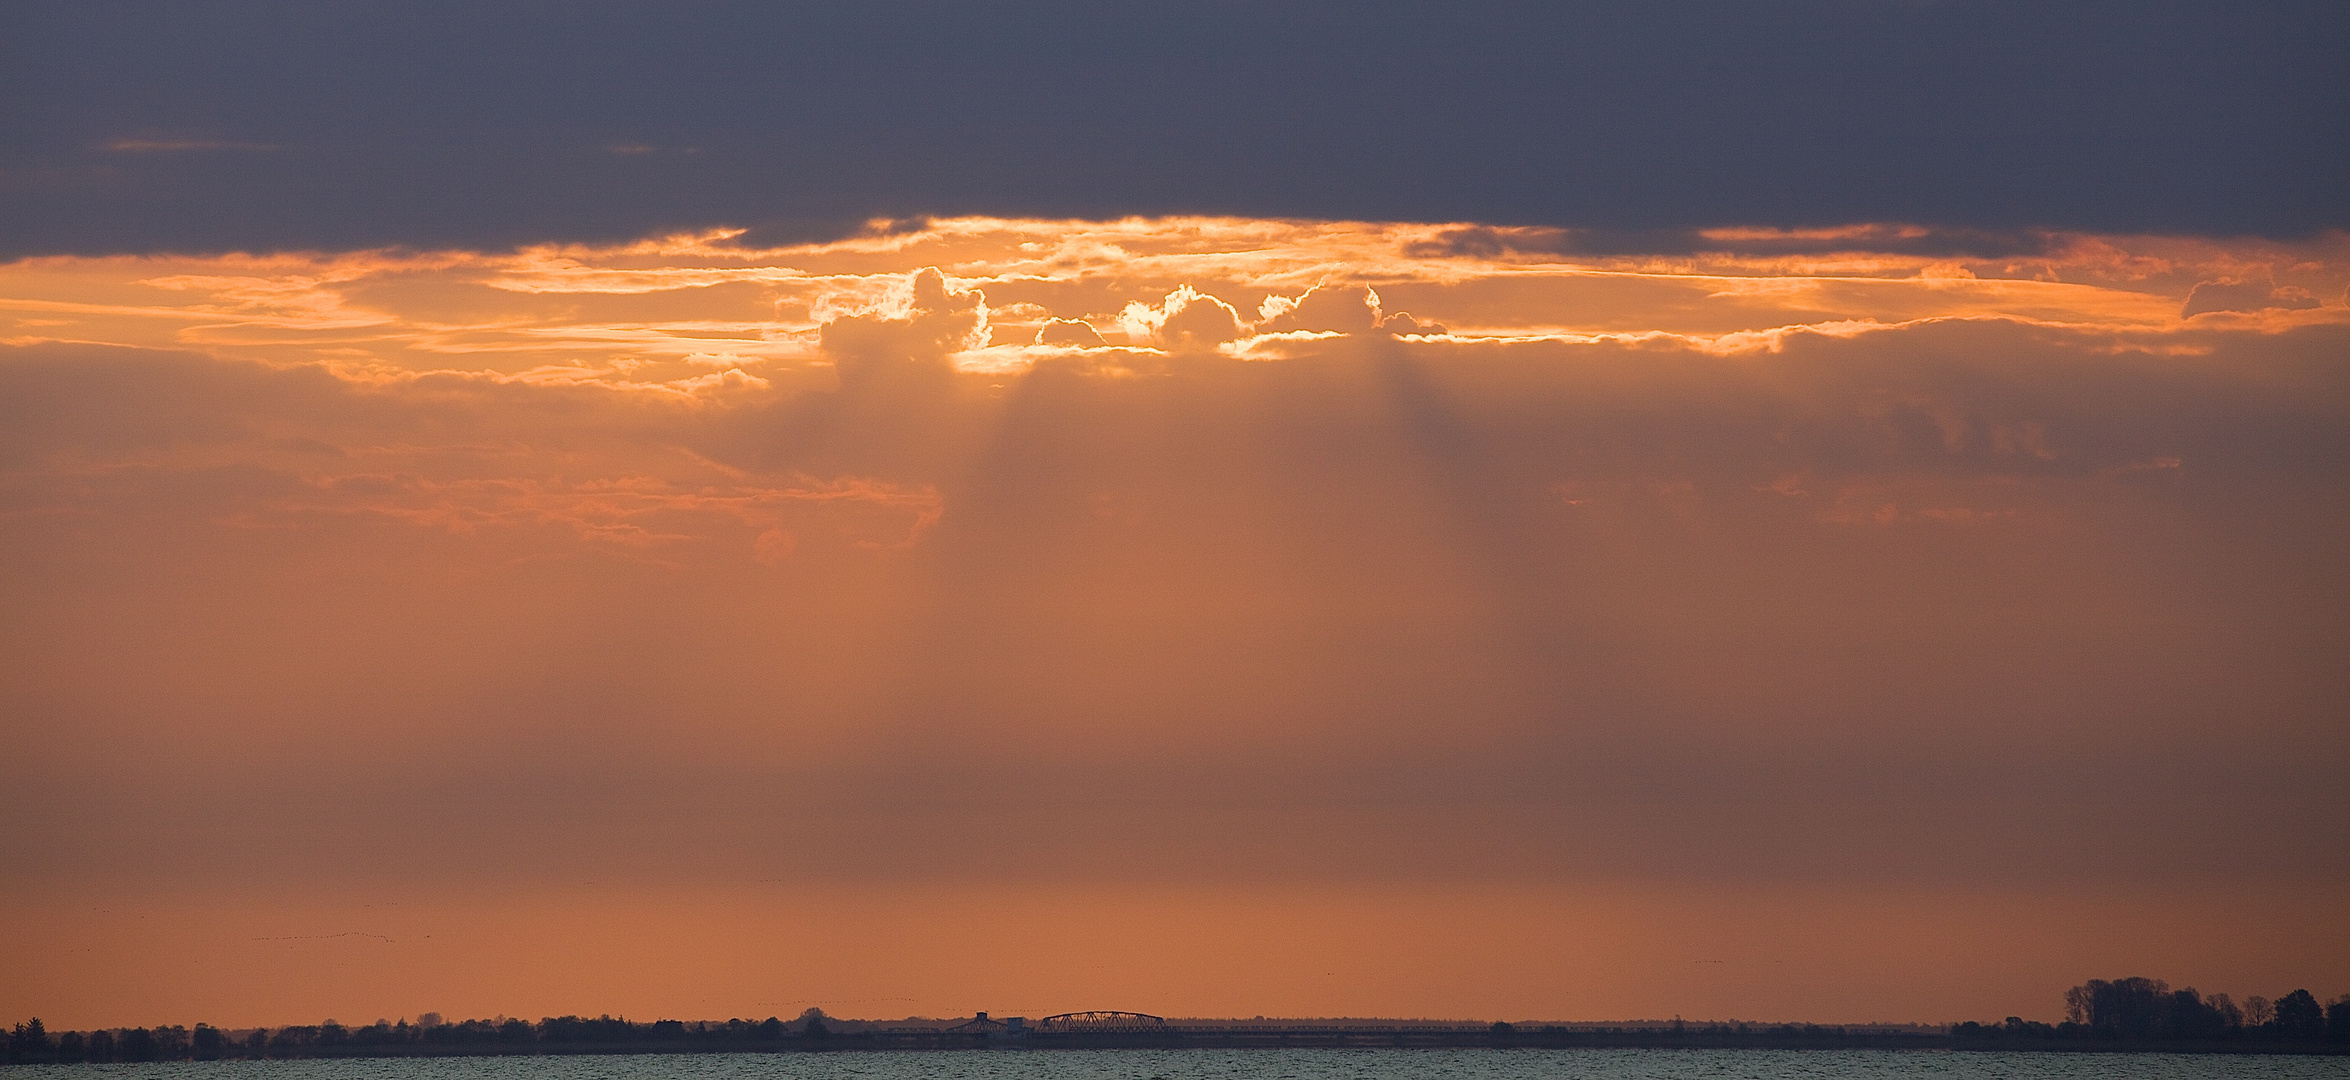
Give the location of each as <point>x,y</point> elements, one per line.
<point>2078,1000</point>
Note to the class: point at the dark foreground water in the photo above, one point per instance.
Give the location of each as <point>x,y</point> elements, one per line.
<point>1309,1064</point>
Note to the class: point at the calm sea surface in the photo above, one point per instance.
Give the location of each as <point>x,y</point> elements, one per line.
<point>1445,1064</point>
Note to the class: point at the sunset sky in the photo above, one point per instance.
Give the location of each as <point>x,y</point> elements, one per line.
<point>1832,511</point>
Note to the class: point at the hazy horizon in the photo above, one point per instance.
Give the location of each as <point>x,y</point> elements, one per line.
<point>1702,636</point>
<point>545,510</point>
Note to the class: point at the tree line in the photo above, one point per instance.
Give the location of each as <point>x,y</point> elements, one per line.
<point>2124,1013</point>
<point>2142,1010</point>
<point>33,1042</point>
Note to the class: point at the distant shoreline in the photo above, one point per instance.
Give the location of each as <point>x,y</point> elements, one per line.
<point>1267,1037</point>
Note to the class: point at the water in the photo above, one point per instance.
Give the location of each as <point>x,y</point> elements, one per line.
<point>1292,1064</point>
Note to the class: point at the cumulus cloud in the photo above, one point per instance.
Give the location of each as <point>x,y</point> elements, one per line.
<point>1342,309</point>
<point>1402,322</point>
<point>1345,309</point>
<point>1071,332</point>
<point>912,343</point>
<point>1187,320</point>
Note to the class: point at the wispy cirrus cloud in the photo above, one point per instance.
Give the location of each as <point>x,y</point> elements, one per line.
<point>171,145</point>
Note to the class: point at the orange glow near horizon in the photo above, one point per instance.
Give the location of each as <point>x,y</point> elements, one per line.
<point>694,315</point>
<point>1200,616</point>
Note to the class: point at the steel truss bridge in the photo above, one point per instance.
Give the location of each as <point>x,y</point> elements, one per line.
<point>1103,1021</point>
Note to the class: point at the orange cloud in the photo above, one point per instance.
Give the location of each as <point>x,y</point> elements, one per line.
<point>1075,559</point>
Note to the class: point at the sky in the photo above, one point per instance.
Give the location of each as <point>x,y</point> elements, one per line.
<point>1820,512</point>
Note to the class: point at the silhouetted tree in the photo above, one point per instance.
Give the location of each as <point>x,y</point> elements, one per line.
<point>2078,999</point>
<point>171,1043</point>
<point>812,1024</point>
<point>2016,1027</point>
<point>206,1042</point>
<point>103,1046</point>
<point>575,1029</point>
<point>28,1038</point>
<point>137,1044</point>
<point>468,1031</point>
<point>2338,1019</point>
<point>294,1037</point>
<point>2258,1011</point>
<point>2133,1008</point>
<point>2299,1017</point>
<point>2191,1017</point>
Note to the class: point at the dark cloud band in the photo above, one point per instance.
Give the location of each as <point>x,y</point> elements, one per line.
<point>142,127</point>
